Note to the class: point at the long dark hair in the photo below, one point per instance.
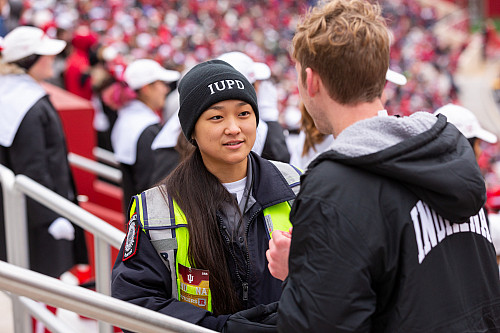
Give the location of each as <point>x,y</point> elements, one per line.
<point>200,194</point>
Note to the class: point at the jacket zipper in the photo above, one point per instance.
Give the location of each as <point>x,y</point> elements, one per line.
<point>228,242</point>
<point>244,284</point>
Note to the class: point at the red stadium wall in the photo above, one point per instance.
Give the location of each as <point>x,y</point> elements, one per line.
<point>493,8</point>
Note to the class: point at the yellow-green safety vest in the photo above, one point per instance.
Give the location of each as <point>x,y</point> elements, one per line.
<point>166,225</point>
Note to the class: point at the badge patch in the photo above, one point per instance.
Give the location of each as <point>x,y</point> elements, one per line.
<point>131,239</point>
<point>194,286</point>
<point>269,224</point>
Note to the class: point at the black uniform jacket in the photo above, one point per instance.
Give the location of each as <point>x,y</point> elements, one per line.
<point>385,242</point>
<point>39,152</point>
<point>137,177</point>
<point>275,147</point>
<point>143,279</point>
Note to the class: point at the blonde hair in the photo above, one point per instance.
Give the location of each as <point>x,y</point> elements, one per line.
<point>10,68</point>
<point>347,43</point>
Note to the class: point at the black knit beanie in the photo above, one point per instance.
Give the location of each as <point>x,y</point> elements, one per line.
<point>208,83</point>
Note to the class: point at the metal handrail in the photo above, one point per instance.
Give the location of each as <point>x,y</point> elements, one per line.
<point>51,291</point>
<point>105,156</point>
<point>71,211</point>
<point>16,238</point>
<point>41,313</point>
<point>97,168</point>
<point>103,232</point>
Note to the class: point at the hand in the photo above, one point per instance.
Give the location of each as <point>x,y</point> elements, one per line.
<point>61,228</point>
<point>261,318</point>
<point>278,252</point>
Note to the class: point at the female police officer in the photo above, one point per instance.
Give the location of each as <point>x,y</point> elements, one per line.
<point>195,246</point>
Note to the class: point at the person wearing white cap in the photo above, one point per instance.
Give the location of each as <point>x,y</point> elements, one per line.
<point>138,123</point>
<point>32,143</point>
<point>271,141</point>
<point>468,124</point>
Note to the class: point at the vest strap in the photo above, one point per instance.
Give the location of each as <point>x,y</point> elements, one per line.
<point>165,245</point>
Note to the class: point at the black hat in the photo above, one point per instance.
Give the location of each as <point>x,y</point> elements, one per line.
<point>208,83</point>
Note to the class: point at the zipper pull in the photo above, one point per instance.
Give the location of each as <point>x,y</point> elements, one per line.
<point>245,291</point>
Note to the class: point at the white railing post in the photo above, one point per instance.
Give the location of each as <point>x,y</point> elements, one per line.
<point>102,255</point>
<point>16,240</point>
<point>16,230</point>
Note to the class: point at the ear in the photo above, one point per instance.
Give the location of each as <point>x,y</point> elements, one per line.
<point>312,81</point>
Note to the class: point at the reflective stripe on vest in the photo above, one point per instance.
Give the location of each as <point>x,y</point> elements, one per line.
<point>276,217</point>
<point>166,226</point>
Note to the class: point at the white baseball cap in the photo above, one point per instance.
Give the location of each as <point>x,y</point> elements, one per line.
<point>145,71</point>
<point>24,41</point>
<point>466,122</point>
<point>252,70</point>
<point>395,77</point>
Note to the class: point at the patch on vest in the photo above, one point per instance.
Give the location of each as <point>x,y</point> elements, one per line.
<point>194,286</point>
<point>269,224</point>
<point>131,239</point>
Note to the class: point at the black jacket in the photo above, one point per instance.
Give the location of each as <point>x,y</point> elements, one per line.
<point>165,161</point>
<point>137,177</point>
<point>39,152</point>
<point>143,279</point>
<point>275,146</point>
<point>371,249</point>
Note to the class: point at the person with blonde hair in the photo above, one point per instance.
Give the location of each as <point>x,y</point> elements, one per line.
<point>389,231</point>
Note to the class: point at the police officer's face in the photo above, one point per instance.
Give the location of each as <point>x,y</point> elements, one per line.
<point>225,134</point>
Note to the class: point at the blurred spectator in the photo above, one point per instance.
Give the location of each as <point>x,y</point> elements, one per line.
<point>77,76</point>
<point>138,123</point>
<point>32,143</point>
<point>169,147</point>
<point>183,33</point>
<point>310,143</point>
<point>10,13</point>
<point>270,142</point>
<point>468,125</point>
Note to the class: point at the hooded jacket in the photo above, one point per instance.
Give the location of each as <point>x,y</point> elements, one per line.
<point>390,235</point>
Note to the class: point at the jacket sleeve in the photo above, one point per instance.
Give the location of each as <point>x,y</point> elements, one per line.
<point>329,287</point>
<point>144,280</point>
<point>28,155</point>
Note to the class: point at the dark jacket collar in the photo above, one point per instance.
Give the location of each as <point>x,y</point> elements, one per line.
<point>269,185</point>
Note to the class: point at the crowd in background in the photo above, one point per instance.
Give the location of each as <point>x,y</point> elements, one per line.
<point>104,36</point>
<point>179,34</point>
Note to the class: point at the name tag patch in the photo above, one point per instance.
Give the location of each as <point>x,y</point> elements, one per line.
<point>130,247</point>
<point>194,286</point>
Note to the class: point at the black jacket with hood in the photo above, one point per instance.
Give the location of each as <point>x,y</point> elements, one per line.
<point>390,235</point>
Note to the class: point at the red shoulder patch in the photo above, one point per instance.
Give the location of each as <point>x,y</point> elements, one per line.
<point>131,239</point>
